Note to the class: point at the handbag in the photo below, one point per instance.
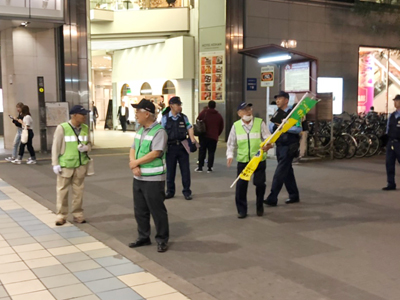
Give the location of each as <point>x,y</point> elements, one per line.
<point>24,136</point>
<point>199,127</point>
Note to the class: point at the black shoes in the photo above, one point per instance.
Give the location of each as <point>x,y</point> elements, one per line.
<point>189,197</point>
<point>260,212</point>
<point>242,216</point>
<point>140,243</point>
<point>169,196</point>
<point>389,188</point>
<point>162,247</point>
<point>269,203</point>
<point>289,201</point>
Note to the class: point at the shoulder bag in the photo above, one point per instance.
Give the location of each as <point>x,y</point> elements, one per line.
<point>199,127</point>
<point>24,136</point>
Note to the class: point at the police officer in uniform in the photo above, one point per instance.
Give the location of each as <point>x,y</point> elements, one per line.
<point>287,147</point>
<point>393,145</point>
<point>178,128</point>
<point>245,138</point>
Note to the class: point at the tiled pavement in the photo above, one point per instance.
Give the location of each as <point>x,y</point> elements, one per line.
<point>41,261</point>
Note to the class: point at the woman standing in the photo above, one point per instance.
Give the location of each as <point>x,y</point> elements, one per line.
<point>27,123</point>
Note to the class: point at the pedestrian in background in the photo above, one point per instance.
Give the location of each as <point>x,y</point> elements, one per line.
<point>244,139</point>
<point>393,145</point>
<point>208,142</point>
<point>147,162</point>
<point>287,148</point>
<point>27,123</point>
<point>71,143</point>
<point>178,128</point>
<point>95,114</point>
<point>123,115</point>
<point>17,139</point>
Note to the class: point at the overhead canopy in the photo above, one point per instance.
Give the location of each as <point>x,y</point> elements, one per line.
<point>275,50</point>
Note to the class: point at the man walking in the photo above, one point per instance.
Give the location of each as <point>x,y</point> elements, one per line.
<point>17,139</point>
<point>287,147</point>
<point>71,143</point>
<point>393,145</point>
<point>214,127</point>
<point>245,138</point>
<point>123,115</point>
<point>147,162</point>
<point>178,128</point>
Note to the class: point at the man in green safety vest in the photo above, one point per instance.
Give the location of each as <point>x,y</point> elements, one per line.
<point>71,142</point>
<point>245,138</point>
<point>147,162</point>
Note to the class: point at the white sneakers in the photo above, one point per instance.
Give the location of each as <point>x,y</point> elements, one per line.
<point>19,161</point>
<point>9,159</point>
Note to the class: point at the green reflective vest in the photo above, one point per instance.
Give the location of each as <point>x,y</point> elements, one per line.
<point>248,143</point>
<point>72,158</point>
<point>158,165</point>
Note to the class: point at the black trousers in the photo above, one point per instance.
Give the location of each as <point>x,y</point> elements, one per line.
<point>122,120</point>
<point>175,154</point>
<point>259,179</point>
<point>148,199</point>
<point>392,154</point>
<point>284,174</point>
<point>210,146</point>
<point>29,146</point>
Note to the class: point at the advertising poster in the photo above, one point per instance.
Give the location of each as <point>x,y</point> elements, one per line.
<point>297,77</point>
<point>212,73</point>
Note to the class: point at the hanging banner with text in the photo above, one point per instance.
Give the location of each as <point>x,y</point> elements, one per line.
<point>267,76</point>
<point>212,70</point>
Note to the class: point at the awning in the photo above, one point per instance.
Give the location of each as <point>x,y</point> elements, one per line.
<point>275,50</point>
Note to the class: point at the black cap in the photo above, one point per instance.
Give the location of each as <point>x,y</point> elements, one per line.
<point>396,98</point>
<point>243,105</point>
<point>79,109</point>
<point>175,100</point>
<point>282,94</point>
<point>146,105</point>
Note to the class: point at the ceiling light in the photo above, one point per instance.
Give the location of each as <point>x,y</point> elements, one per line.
<point>25,24</point>
<point>274,58</point>
<point>107,57</point>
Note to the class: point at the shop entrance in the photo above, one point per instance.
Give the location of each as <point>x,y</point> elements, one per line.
<point>378,79</point>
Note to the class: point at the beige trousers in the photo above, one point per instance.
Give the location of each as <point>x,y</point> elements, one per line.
<point>75,178</point>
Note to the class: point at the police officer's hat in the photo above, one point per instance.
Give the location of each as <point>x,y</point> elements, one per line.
<point>396,98</point>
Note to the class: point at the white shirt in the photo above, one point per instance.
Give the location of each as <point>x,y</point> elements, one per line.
<point>122,110</point>
<point>232,140</point>
<point>28,121</point>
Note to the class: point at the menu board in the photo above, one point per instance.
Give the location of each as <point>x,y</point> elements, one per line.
<point>297,77</point>
<point>212,70</point>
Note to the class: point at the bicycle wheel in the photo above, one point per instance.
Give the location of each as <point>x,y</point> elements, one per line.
<point>364,143</point>
<point>310,145</point>
<point>352,143</point>
<point>340,147</point>
<point>375,145</point>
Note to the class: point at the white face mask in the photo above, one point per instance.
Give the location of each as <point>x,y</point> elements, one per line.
<point>247,118</point>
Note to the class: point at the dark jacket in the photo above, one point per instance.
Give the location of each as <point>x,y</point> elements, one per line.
<point>126,112</point>
<point>214,123</point>
<point>16,123</point>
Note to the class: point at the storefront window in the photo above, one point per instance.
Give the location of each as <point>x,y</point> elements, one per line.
<point>168,88</point>
<point>378,79</point>
<point>136,4</point>
<point>146,89</point>
<point>125,90</point>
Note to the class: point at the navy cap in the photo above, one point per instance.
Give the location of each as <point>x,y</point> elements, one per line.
<point>146,105</point>
<point>282,94</point>
<point>175,100</point>
<point>243,105</point>
<point>396,98</point>
<point>79,109</point>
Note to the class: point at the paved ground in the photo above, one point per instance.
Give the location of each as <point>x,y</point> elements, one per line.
<point>341,242</point>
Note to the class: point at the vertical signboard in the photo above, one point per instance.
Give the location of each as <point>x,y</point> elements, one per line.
<point>267,76</point>
<point>212,81</point>
<point>42,114</point>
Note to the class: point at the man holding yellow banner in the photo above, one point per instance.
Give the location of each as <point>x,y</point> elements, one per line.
<point>245,138</point>
<point>287,147</point>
